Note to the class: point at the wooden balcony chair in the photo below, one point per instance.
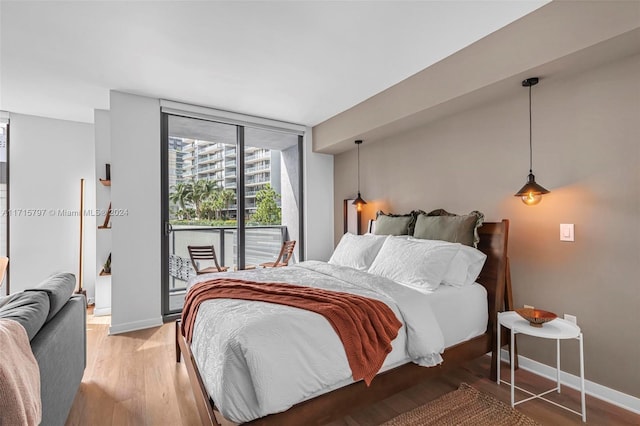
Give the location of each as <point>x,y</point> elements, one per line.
<point>283,258</point>
<point>204,253</point>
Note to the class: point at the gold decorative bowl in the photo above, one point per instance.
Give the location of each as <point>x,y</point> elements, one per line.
<point>536,317</point>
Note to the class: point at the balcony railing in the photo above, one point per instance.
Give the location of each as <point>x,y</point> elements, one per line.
<point>204,159</point>
<point>257,169</point>
<point>257,156</point>
<point>216,166</point>
<point>209,148</point>
<point>262,244</point>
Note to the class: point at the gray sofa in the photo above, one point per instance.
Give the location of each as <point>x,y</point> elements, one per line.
<point>55,321</point>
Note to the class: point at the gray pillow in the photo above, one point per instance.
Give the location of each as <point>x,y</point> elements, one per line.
<point>391,224</point>
<point>30,309</point>
<point>445,226</point>
<point>59,288</point>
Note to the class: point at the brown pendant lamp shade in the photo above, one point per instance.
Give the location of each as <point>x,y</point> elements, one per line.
<point>359,201</point>
<point>531,193</point>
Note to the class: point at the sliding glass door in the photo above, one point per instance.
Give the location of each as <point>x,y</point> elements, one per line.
<point>234,187</point>
<point>271,193</point>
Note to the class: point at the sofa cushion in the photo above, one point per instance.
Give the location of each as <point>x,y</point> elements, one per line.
<point>59,288</point>
<point>30,309</point>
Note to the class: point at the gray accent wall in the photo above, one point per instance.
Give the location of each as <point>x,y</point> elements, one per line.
<point>586,152</point>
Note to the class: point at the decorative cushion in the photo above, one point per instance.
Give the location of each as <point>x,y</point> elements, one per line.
<point>357,251</point>
<point>395,224</point>
<point>445,226</point>
<point>417,264</point>
<point>59,288</point>
<point>30,309</point>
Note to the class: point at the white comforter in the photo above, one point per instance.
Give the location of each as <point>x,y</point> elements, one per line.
<point>259,358</point>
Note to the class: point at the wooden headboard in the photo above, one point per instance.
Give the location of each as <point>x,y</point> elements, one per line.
<point>494,237</point>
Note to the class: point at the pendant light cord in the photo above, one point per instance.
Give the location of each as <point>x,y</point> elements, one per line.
<point>358,169</point>
<point>530,138</point>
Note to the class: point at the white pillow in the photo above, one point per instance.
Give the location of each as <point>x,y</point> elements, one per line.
<point>414,263</point>
<point>465,266</point>
<point>357,251</point>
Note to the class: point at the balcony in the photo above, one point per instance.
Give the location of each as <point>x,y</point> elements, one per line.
<point>258,169</point>
<point>210,149</point>
<point>210,168</point>
<point>257,179</point>
<point>256,157</point>
<point>262,244</point>
<point>204,159</point>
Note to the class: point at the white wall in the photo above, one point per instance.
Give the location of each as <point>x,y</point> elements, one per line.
<point>318,202</point>
<point>48,158</point>
<point>136,236</point>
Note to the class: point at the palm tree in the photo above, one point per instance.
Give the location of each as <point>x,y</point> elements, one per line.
<point>203,189</point>
<point>226,196</point>
<point>181,195</point>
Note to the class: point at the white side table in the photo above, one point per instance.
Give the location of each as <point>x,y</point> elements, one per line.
<point>557,329</point>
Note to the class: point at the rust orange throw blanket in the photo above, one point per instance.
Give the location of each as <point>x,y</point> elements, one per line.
<point>365,326</point>
<point>19,377</point>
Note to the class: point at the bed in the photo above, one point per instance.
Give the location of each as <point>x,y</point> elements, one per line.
<point>466,333</point>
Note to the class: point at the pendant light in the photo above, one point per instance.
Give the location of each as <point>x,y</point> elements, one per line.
<point>359,202</point>
<point>531,192</point>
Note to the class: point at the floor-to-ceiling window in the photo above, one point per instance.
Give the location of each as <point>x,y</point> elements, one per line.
<point>234,186</point>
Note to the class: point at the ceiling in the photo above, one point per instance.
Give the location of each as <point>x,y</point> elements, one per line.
<point>578,35</point>
<point>300,62</point>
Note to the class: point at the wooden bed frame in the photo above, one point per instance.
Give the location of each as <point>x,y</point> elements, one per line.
<point>338,403</point>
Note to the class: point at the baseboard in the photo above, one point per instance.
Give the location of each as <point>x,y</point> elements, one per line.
<point>612,396</point>
<point>135,325</point>
<point>101,312</point>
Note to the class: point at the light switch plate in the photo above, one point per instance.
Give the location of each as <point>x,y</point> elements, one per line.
<point>567,232</point>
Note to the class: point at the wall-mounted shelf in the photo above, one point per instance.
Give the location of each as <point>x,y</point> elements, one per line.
<point>103,221</point>
<point>107,217</point>
<point>107,181</point>
<point>106,264</point>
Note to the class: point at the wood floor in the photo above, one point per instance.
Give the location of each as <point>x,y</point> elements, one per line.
<point>133,379</point>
